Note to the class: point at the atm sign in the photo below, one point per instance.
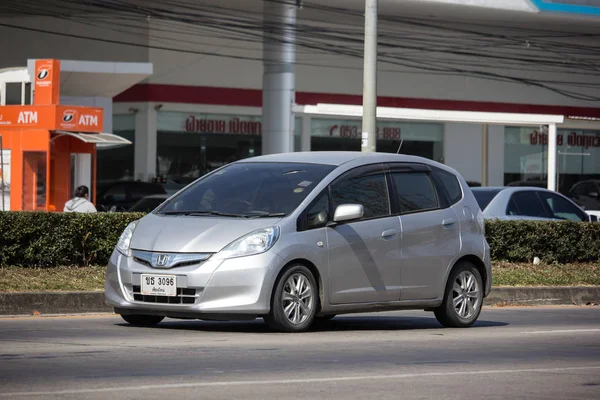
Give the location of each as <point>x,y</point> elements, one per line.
<point>84,119</point>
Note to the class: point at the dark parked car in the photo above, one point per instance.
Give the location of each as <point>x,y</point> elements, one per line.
<point>586,194</point>
<point>122,195</point>
<point>149,203</point>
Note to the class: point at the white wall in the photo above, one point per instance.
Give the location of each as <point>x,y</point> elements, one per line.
<point>22,44</point>
<point>496,155</point>
<point>322,72</point>
<point>462,149</point>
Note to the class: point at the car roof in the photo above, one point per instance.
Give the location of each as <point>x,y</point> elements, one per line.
<point>336,158</point>
<point>510,189</point>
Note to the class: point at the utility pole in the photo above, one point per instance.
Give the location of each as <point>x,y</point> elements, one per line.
<point>279,58</point>
<point>369,118</point>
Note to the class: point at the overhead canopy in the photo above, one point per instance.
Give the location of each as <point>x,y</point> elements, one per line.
<point>417,114</point>
<point>97,78</point>
<point>101,140</point>
<point>477,117</point>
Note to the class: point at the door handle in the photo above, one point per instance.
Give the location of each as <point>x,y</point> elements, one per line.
<point>448,222</point>
<point>389,233</point>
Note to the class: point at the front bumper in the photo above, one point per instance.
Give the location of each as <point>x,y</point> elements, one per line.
<point>239,287</point>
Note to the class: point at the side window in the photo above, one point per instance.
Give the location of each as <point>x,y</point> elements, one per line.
<point>583,189</point>
<point>370,191</point>
<point>561,208</point>
<point>415,191</point>
<point>526,204</point>
<point>452,186</point>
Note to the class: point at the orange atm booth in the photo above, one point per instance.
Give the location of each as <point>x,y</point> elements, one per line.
<point>44,140</point>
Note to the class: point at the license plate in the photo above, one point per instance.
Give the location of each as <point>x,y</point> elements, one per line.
<point>159,285</point>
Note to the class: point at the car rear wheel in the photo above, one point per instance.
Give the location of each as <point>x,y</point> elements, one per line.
<point>463,297</point>
<point>142,320</point>
<point>294,301</point>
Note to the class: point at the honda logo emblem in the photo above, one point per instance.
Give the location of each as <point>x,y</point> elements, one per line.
<point>162,260</point>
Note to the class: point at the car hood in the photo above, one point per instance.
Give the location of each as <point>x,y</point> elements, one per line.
<point>192,234</point>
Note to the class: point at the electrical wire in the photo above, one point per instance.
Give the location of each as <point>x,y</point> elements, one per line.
<point>407,45</point>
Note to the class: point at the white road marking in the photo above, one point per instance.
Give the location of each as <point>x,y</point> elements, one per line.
<point>562,331</point>
<point>297,381</point>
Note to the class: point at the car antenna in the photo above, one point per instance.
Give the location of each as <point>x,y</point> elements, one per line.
<point>399,147</point>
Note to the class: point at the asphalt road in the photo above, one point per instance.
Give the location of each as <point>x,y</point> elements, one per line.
<point>511,353</point>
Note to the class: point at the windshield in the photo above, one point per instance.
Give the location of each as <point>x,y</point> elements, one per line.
<point>249,190</point>
<point>484,197</point>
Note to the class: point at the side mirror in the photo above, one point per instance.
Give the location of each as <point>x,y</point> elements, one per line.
<point>348,212</point>
<point>593,218</point>
<point>593,194</point>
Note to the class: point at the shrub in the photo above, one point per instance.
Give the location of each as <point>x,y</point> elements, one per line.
<point>553,242</point>
<point>37,239</point>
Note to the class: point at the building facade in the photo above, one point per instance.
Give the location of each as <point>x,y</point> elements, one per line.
<point>201,107</point>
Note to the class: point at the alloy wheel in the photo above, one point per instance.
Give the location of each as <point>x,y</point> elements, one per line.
<point>297,299</point>
<point>466,295</point>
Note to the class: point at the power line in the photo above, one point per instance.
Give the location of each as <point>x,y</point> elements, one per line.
<point>417,45</point>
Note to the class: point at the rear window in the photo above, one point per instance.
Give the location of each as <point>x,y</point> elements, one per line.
<point>484,197</point>
<point>451,185</point>
<point>415,192</point>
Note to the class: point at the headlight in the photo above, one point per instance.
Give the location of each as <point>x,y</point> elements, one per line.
<point>125,240</point>
<point>256,242</point>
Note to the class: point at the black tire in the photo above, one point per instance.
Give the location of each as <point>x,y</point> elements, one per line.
<point>446,313</point>
<point>142,320</point>
<point>277,319</point>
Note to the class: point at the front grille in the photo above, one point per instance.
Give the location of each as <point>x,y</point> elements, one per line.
<point>184,296</point>
<point>170,260</point>
<point>178,265</point>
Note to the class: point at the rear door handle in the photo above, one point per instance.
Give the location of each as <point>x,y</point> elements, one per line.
<point>389,233</point>
<point>448,222</point>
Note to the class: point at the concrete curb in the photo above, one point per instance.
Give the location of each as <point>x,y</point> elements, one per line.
<point>29,303</point>
<point>25,303</point>
<point>532,295</point>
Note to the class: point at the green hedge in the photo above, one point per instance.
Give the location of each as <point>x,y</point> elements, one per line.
<point>553,242</point>
<point>35,239</point>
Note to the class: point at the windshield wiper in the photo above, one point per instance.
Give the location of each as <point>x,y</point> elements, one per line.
<point>200,213</point>
<point>223,214</point>
<point>274,215</point>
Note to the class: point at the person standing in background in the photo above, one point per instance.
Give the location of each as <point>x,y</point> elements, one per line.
<point>80,203</point>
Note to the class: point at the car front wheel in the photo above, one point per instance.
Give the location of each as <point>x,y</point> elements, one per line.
<point>294,301</point>
<point>463,297</point>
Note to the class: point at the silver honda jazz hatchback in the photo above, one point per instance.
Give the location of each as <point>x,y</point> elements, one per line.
<point>297,237</point>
